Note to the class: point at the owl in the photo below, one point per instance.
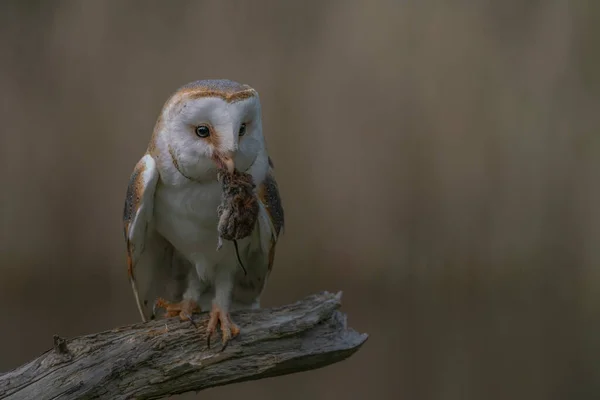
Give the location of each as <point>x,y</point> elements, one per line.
<point>174,255</point>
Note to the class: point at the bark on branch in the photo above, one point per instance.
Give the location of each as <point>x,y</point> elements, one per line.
<point>165,357</point>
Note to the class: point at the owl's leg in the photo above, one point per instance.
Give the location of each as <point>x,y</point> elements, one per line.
<point>184,309</point>
<point>219,313</point>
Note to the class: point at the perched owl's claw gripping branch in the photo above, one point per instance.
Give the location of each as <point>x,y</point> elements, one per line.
<point>184,309</point>
<point>228,328</point>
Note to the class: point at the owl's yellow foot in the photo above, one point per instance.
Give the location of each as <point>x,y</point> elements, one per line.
<point>228,328</point>
<point>185,309</point>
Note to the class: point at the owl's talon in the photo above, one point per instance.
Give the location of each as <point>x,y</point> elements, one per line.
<point>228,328</point>
<point>209,333</point>
<point>188,317</point>
<point>184,309</point>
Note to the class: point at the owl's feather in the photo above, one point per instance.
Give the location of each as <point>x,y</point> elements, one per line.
<point>261,253</point>
<point>155,269</point>
<point>268,194</point>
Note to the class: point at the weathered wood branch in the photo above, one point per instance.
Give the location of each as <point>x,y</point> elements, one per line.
<point>166,357</point>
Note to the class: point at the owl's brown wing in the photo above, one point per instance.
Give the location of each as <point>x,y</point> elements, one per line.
<point>155,269</point>
<point>268,194</point>
<point>261,253</point>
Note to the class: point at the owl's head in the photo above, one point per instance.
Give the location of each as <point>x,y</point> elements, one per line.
<point>209,124</point>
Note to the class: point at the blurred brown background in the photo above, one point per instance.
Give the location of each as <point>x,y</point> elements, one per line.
<point>439,163</point>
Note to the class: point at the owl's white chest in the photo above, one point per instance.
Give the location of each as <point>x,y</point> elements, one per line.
<point>187,217</point>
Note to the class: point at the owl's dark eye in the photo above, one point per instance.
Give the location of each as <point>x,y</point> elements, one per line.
<point>242,131</point>
<point>202,131</point>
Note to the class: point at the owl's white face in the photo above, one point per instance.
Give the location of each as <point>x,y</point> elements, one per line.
<point>203,132</point>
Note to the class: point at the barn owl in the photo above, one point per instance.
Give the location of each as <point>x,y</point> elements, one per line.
<point>170,214</point>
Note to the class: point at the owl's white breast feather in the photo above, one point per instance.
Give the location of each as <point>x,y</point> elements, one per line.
<point>186,216</point>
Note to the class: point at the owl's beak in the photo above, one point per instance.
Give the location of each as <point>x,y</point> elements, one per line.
<point>225,161</point>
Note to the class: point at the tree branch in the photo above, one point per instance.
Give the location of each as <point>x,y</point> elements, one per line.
<point>166,357</point>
